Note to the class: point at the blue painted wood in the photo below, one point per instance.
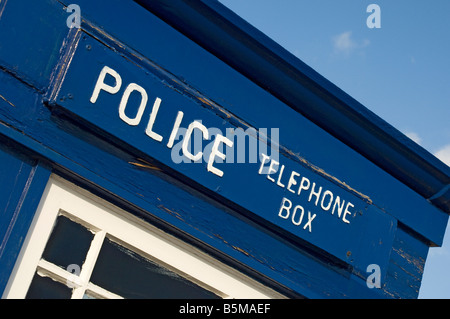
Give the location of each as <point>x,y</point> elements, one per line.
<point>406,266</point>
<point>31,61</point>
<point>110,171</point>
<point>253,54</point>
<point>188,205</point>
<point>104,114</point>
<point>22,181</point>
<point>176,53</point>
<point>14,174</point>
<point>186,212</point>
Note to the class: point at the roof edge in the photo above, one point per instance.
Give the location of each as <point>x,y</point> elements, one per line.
<point>223,33</point>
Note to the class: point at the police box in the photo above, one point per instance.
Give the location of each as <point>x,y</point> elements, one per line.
<point>168,149</point>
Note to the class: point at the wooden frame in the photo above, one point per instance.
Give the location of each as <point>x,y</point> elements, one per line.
<point>104,219</point>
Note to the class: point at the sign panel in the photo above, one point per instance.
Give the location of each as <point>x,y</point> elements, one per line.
<point>134,102</point>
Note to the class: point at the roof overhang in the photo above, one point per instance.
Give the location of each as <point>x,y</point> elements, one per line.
<point>253,54</point>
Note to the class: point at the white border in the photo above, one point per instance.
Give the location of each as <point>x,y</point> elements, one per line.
<point>60,196</point>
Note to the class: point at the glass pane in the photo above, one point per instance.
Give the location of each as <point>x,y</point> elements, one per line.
<point>130,275</point>
<point>89,296</point>
<point>47,288</point>
<point>68,243</point>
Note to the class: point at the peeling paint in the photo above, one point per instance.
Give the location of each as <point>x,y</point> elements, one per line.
<point>67,52</point>
<point>7,101</point>
<point>177,84</point>
<point>416,262</point>
<point>240,250</point>
<point>171,212</point>
<point>262,261</point>
<point>323,173</point>
<point>145,164</point>
<point>205,100</point>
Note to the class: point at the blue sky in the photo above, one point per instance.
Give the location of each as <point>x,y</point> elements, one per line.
<point>400,71</point>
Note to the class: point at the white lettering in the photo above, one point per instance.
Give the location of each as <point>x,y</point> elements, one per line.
<point>299,221</point>
<point>265,157</point>
<point>279,176</point>
<point>303,186</point>
<point>313,193</point>
<point>124,101</point>
<point>328,206</point>
<point>316,195</point>
<point>151,121</point>
<point>111,82</point>
<point>101,85</point>
<point>272,169</point>
<point>310,219</point>
<point>338,204</point>
<point>175,128</point>
<point>187,137</point>
<point>347,212</point>
<point>215,152</point>
<point>297,214</point>
<point>292,181</point>
<point>283,207</point>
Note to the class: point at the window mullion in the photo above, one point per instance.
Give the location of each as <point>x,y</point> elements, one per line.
<point>102,293</point>
<point>89,264</point>
<point>46,268</point>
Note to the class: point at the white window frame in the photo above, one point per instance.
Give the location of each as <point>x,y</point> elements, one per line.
<point>104,219</point>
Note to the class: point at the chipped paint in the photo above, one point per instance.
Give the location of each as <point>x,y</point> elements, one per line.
<point>7,101</point>
<point>323,173</point>
<point>261,260</point>
<point>171,212</point>
<point>417,262</point>
<point>172,81</point>
<point>240,250</point>
<point>67,52</point>
<point>205,100</point>
<point>144,164</point>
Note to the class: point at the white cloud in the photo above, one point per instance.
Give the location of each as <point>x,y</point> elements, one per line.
<point>414,136</point>
<point>444,154</point>
<point>345,44</point>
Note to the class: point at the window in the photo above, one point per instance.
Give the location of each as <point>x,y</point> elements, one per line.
<point>80,246</point>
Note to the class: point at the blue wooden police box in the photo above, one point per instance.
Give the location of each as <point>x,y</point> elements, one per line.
<point>315,192</point>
